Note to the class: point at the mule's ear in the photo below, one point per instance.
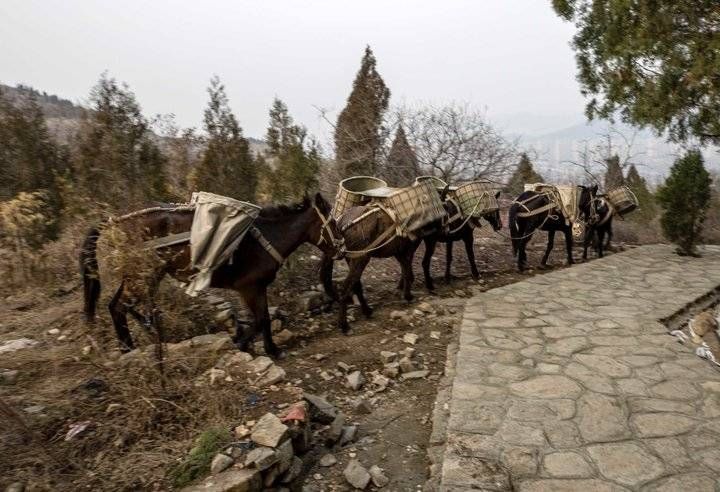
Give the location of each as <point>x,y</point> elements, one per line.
<point>444,192</point>
<point>320,201</point>
<point>497,195</point>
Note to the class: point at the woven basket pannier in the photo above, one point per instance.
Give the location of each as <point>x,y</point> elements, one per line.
<point>415,207</point>
<point>438,183</point>
<point>350,193</point>
<point>622,199</point>
<point>475,199</point>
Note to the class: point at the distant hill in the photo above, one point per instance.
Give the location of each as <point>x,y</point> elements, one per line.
<point>63,116</point>
<point>653,154</point>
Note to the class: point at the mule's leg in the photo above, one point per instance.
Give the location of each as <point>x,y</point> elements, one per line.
<point>569,245</point>
<point>364,306</point>
<point>469,241</point>
<point>430,244</point>
<point>405,260</point>
<point>601,239</point>
<point>448,260</point>
<point>550,244</point>
<point>244,336</point>
<point>259,308</point>
<point>587,240</point>
<point>357,266</point>
<point>119,319</point>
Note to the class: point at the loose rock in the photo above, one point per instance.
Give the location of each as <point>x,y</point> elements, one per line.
<point>349,433</point>
<point>362,406</point>
<point>8,376</point>
<point>415,374</point>
<point>355,380</point>
<point>261,458</point>
<point>410,338</point>
<point>356,475</point>
<point>387,357</point>
<point>378,477</point>
<point>269,431</point>
<point>220,463</point>
<point>320,410</point>
<point>328,460</point>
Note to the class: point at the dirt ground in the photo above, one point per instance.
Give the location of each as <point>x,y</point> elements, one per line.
<point>132,446</point>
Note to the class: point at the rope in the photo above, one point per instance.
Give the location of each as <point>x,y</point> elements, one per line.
<point>469,216</point>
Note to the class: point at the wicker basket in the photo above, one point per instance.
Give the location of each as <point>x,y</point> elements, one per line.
<point>350,194</point>
<point>475,198</point>
<point>622,199</point>
<point>437,182</point>
<point>415,207</point>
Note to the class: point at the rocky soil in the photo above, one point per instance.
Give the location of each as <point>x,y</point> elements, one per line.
<point>81,416</point>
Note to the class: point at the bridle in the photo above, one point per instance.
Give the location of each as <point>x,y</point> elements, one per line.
<point>338,244</point>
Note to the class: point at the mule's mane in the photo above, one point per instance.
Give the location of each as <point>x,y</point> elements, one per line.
<point>274,212</point>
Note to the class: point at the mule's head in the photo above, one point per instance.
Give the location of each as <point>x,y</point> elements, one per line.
<point>323,231</point>
<point>494,217</point>
<point>586,210</point>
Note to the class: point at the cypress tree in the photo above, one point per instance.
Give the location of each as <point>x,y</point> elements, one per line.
<point>30,161</point>
<point>117,160</point>
<point>647,207</point>
<point>613,174</point>
<point>359,129</point>
<point>524,173</point>
<point>296,164</point>
<point>227,166</point>
<point>402,165</point>
<point>685,198</point>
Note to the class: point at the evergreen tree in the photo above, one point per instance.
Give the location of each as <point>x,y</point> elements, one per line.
<point>359,129</point>
<point>402,165</point>
<point>613,174</point>
<point>227,166</point>
<point>524,173</point>
<point>647,207</point>
<point>117,160</point>
<point>30,161</point>
<point>296,164</point>
<point>685,197</point>
<point>654,62</point>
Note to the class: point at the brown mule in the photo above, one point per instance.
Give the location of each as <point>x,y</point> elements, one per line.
<point>372,237</point>
<point>251,270</point>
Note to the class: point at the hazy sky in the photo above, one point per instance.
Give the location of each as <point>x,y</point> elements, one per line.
<point>509,56</point>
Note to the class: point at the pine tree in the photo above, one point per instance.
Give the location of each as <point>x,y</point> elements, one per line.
<point>30,161</point>
<point>685,197</point>
<point>613,174</point>
<point>402,165</point>
<point>117,160</point>
<point>359,129</point>
<point>647,207</point>
<point>227,166</point>
<point>524,173</point>
<point>296,164</point>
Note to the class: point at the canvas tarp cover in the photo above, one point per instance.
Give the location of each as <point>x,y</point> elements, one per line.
<point>218,226</point>
<point>566,196</point>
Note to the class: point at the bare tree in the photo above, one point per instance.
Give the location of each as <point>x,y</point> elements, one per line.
<point>609,150</point>
<point>455,142</point>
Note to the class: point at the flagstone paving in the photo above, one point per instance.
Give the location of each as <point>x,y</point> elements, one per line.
<point>568,381</point>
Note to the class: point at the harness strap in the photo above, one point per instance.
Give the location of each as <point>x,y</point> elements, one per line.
<point>255,232</point>
<point>382,240</point>
<point>537,211</point>
<point>169,240</point>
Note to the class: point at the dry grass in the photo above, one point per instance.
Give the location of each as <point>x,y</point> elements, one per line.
<point>133,446</point>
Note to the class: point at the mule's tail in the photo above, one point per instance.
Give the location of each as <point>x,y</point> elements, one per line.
<point>514,228</point>
<point>326,275</point>
<point>89,272</point>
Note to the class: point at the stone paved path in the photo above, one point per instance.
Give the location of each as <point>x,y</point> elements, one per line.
<point>569,382</point>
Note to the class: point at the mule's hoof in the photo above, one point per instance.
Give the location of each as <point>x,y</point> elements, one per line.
<point>543,266</point>
<point>368,312</point>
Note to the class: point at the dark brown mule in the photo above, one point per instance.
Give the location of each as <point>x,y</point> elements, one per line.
<point>371,237</point>
<point>251,270</point>
<point>459,229</point>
